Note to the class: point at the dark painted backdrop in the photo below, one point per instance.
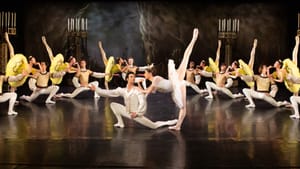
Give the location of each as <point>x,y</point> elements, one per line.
<point>156,31</point>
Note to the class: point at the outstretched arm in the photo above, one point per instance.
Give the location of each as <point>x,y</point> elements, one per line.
<point>295,50</point>
<point>186,56</point>
<point>103,54</point>
<point>252,54</point>
<point>10,47</point>
<point>218,52</point>
<point>49,50</point>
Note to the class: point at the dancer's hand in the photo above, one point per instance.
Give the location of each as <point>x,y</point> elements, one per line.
<point>255,42</point>
<point>133,115</point>
<point>92,87</point>
<point>43,39</point>
<point>297,39</point>
<point>195,34</point>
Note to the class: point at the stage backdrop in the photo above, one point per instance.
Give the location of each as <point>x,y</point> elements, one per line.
<point>157,31</point>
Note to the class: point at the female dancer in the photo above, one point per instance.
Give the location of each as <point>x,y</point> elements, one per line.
<point>175,83</point>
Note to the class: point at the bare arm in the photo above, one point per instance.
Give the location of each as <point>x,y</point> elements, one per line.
<point>103,54</point>
<point>218,52</point>
<point>49,50</point>
<point>295,50</point>
<point>252,54</point>
<point>10,47</point>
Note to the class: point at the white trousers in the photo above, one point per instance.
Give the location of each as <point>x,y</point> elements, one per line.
<point>51,90</point>
<point>211,85</point>
<point>119,110</point>
<point>78,90</point>
<point>250,94</point>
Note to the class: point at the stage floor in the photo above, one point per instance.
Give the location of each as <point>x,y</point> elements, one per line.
<point>79,133</point>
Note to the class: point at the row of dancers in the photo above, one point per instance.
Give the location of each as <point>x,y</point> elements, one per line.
<point>135,96</point>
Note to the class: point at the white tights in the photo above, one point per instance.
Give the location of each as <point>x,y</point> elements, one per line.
<point>211,85</point>
<point>51,90</point>
<point>78,90</point>
<point>295,100</point>
<point>12,99</point>
<point>119,110</point>
<point>250,94</point>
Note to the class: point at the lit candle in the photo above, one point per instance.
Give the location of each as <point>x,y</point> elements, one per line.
<point>82,24</point>
<point>8,19</point>
<point>5,23</point>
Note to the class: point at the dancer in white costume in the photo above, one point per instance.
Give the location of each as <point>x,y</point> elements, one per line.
<point>11,96</point>
<point>175,83</point>
<point>81,81</point>
<point>222,79</point>
<point>42,79</point>
<point>191,74</point>
<point>135,104</point>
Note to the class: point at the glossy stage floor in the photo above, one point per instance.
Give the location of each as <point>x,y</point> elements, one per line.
<point>79,133</point>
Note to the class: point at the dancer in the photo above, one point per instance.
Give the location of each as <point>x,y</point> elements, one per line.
<point>11,96</point>
<point>264,82</point>
<point>16,66</point>
<point>42,79</point>
<point>135,104</point>
<point>81,81</point>
<point>192,75</point>
<point>222,79</point>
<point>295,99</point>
<point>116,68</point>
<point>133,68</point>
<point>175,84</point>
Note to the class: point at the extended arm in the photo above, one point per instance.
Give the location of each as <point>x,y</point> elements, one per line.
<point>110,93</point>
<point>49,50</point>
<point>98,75</point>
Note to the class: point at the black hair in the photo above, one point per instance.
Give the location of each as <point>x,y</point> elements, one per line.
<point>129,73</point>
<point>151,70</point>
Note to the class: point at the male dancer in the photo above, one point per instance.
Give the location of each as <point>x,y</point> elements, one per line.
<point>135,104</point>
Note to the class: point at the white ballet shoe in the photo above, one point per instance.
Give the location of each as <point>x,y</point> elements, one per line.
<point>119,125</point>
<point>175,128</point>
<point>59,95</point>
<point>12,113</point>
<point>50,102</point>
<point>209,97</point>
<point>238,95</point>
<point>250,105</point>
<point>294,116</point>
<point>172,122</point>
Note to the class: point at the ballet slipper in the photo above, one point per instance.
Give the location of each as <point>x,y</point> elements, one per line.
<point>50,102</point>
<point>174,128</point>
<point>294,116</point>
<point>119,125</point>
<point>12,113</point>
<point>250,105</point>
<point>208,97</point>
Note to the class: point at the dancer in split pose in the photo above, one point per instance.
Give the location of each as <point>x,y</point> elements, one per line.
<point>175,82</point>
<point>135,104</point>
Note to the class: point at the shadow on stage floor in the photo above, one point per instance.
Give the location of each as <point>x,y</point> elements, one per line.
<point>79,133</point>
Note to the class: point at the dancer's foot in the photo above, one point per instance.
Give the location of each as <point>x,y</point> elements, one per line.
<point>238,95</point>
<point>250,105</point>
<point>119,125</point>
<point>174,128</point>
<point>209,97</point>
<point>24,97</point>
<point>172,122</point>
<point>294,116</point>
<point>12,113</point>
<point>59,95</point>
<point>50,102</point>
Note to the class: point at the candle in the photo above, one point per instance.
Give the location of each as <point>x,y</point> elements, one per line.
<point>8,19</point>
<point>15,20</point>
<point>82,24</point>
<point>298,20</point>
<point>219,27</point>
<point>68,24</point>
<point>5,23</point>
<point>238,25</point>
<point>86,24</point>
